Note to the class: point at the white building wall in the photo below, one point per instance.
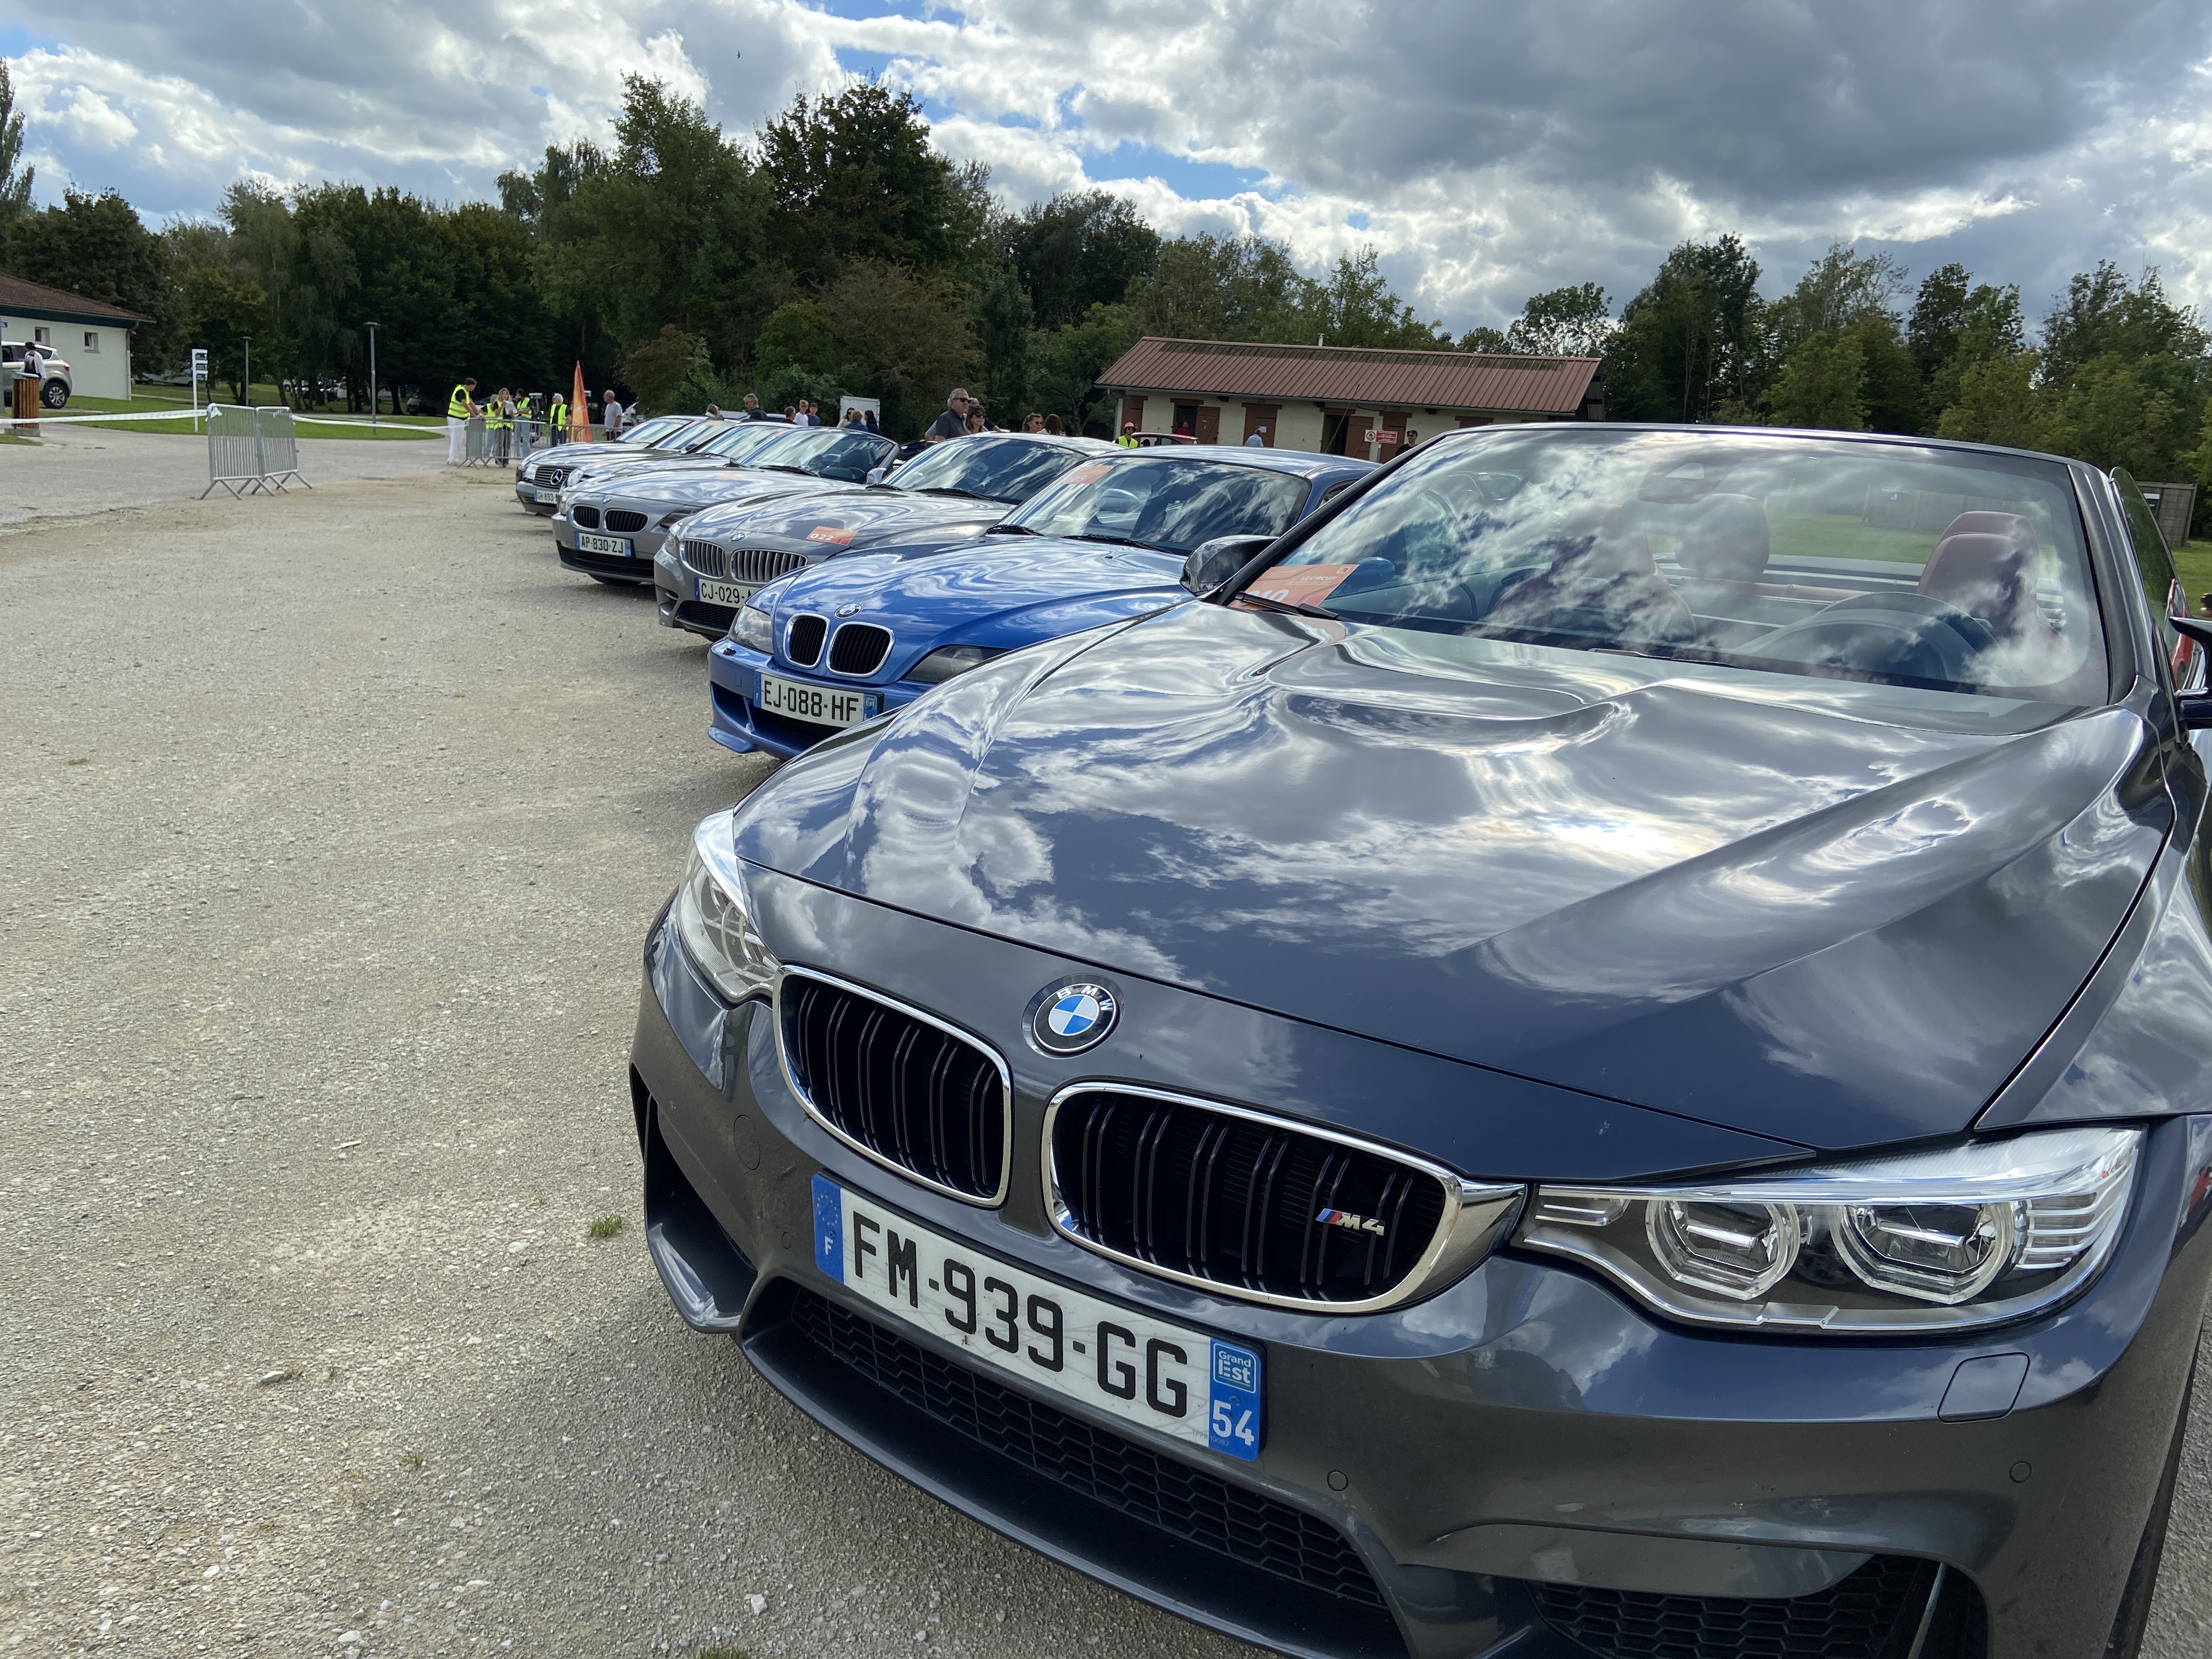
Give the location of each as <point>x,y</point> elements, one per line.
<point>1298,426</point>
<point>98,369</point>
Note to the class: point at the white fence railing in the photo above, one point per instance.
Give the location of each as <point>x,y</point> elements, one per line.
<point>250,449</point>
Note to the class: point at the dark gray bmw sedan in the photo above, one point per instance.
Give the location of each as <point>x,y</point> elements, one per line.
<point>1600,1051</point>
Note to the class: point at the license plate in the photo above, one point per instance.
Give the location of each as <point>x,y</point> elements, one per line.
<point>729,593</point>
<point>541,495</point>
<point>587,543</point>
<point>1179,1381</point>
<point>823,705</point>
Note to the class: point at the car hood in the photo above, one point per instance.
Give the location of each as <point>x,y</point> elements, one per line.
<point>678,486</point>
<point>984,596</point>
<point>856,516</point>
<point>573,454</point>
<point>1833,913</point>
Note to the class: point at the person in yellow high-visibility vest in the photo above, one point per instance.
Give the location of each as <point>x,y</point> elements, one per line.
<point>499,423</point>
<point>556,420</point>
<point>459,408</point>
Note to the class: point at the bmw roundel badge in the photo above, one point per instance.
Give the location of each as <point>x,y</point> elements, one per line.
<point>1071,1017</point>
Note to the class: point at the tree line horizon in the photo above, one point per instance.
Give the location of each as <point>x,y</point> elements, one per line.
<point>835,251</point>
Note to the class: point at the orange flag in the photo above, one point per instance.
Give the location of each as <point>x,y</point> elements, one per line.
<point>579,411</point>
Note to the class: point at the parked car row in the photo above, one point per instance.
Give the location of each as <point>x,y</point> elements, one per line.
<point>1591,1043</point>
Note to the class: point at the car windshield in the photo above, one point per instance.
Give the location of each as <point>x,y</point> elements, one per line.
<point>829,452</point>
<point>742,440</point>
<point>657,431</point>
<point>1168,501</point>
<point>1901,563</point>
<point>1009,470</point>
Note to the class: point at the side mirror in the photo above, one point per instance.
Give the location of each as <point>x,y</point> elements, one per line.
<point>2196,706</point>
<point>1212,564</point>
<point>878,474</point>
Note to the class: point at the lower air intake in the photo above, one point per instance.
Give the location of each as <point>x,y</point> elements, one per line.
<point>1159,1492</point>
<point>1873,1612</point>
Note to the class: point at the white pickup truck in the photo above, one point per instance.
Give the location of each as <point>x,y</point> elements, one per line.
<point>55,384</point>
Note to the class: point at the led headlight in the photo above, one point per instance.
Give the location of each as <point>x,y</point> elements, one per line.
<point>753,628</point>
<point>1928,1241</point>
<point>948,662</point>
<point>713,921</point>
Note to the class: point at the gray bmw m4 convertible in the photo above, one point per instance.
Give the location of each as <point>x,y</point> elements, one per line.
<point>1601,1050</point>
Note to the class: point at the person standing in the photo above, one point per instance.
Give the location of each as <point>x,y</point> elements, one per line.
<point>753,409</point>
<point>1128,438</point>
<point>556,420</point>
<point>498,421</point>
<point>953,423</point>
<point>1052,425</point>
<point>461,409</point>
<point>613,415</point>
<point>1258,439</point>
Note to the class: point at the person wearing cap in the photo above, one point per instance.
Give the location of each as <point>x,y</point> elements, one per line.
<point>1128,438</point>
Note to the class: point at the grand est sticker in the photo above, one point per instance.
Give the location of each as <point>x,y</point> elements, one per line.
<point>1300,584</point>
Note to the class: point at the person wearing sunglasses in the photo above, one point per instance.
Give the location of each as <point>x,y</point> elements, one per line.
<point>953,423</point>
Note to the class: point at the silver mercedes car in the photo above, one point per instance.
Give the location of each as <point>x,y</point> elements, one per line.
<point>539,476</point>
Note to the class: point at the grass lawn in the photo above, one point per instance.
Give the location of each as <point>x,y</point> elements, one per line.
<point>2192,563</point>
<point>156,400</point>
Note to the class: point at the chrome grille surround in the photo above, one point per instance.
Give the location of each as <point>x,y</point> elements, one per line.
<point>1476,1215</point>
<point>975,1045</point>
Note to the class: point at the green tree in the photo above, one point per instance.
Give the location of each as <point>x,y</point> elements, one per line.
<point>222,309</point>
<point>1561,322</point>
<point>1064,364</point>
<point>655,369</point>
<point>2123,412</point>
<point>999,312</point>
<point>907,336</point>
<point>1955,324</point>
<point>1080,249</point>
<point>15,178</point>
<point>854,179</point>
<point>798,334</point>
<point>1821,382</point>
<point>1693,337</point>
<point>2125,371</point>
<point>1223,287</point>
<point>2000,402</point>
<point>1356,307</point>
<point>95,245</point>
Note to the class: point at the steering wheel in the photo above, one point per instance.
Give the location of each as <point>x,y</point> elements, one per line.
<point>1908,634</point>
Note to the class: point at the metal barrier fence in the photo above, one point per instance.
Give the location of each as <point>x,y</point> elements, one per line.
<point>250,449</point>
<point>476,444</point>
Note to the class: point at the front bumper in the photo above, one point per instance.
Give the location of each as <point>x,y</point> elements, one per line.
<point>635,567</point>
<point>527,495</point>
<point>738,722</point>
<point>1524,1430</point>
<point>675,591</point>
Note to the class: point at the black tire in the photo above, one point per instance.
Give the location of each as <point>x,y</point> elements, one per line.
<point>54,394</point>
<point>2134,1617</point>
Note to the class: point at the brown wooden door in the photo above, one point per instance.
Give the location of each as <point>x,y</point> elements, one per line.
<point>1133,413</point>
<point>1263,415</point>
<point>1393,421</point>
<point>1208,429</point>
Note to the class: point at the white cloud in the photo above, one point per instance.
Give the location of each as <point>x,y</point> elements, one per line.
<point>1487,152</point>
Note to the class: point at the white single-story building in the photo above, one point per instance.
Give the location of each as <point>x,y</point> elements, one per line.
<point>92,337</point>
<point>1338,400</point>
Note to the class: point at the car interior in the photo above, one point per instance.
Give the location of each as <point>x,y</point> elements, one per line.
<point>1947,576</point>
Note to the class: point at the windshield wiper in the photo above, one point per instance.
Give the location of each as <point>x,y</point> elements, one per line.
<point>785,466</point>
<point>1004,529</point>
<point>1284,606</point>
<point>955,489</point>
<point>1124,541</point>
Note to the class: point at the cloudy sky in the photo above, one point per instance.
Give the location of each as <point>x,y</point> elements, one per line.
<point>1488,150</point>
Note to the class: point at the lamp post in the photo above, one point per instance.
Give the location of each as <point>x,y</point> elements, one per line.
<point>247,377</point>
<point>372,378</point>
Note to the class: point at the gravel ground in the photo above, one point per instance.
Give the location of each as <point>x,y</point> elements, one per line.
<point>338,820</point>
<point>77,470</point>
